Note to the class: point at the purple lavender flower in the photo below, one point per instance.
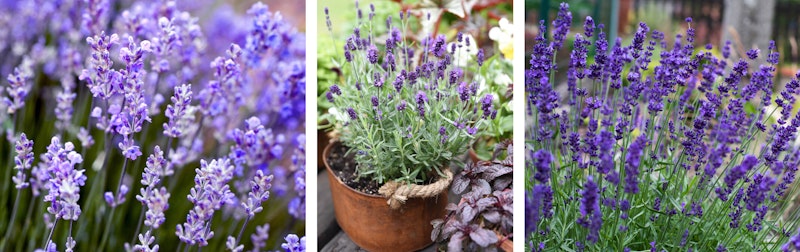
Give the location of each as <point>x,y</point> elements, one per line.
<point>22,161</point>
<point>256,144</point>
<point>103,81</point>
<point>422,98</point>
<point>375,101</point>
<point>591,216</point>
<point>120,198</point>
<point>588,27</point>
<point>726,50</point>
<point>297,206</point>
<point>398,82</point>
<point>177,124</point>
<point>156,199</point>
<point>758,190</point>
<point>774,55</point>
<point>481,57</point>
<point>632,162</point>
<point>329,96</point>
<point>92,18</point>
<point>294,243</point>
<point>146,243</point>
<point>129,149</point>
<point>259,193</point>
<point>65,182</point>
<point>210,193</point>
<point>18,87</point>
<point>487,104</point>
<point>753,53</point>
<point>542,160</point>
<point>733,176</point>
<point>439,46</point>
<point>64,108</point>
<point>260,237</point>
<point>561,26</point>
<point>372,54</point>
<point>793,244</point>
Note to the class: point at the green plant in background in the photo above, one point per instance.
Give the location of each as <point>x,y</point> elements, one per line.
<point>407,109</point>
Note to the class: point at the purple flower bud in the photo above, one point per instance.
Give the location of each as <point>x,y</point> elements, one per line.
<point>22,161</point>
<point>210,193</point>
<point>18,87</point>
<point>398,82</point>
<point>439,46</point>
<point>401,106</point>
<point>177,124</point>
<point>753,53</point>
<point>487,104</point>
<point>422,98</point>
<point>65,182</point>
<point>294,243</point>
<point>372,54</point>
<point>259,193</point>
<point>379,80</point>
<point>588,27</point>
<point>632,162</point>
<point>335,89</point>
<point>481,57</point>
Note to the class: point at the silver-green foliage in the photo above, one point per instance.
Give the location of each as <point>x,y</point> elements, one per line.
<point>406,119</point>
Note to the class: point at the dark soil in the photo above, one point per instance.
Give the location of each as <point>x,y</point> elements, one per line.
<point>344,167</point>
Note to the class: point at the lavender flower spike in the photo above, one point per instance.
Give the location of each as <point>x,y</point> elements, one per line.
<point>177,112</point>
<point>156,199</point>
<point>210,192</point>
<point>65,182</point>
<point>294,244</point>
<point>632,162</point>
<point>18,87</point>
<point>22,161</point>
<point>146,243</point>
<point>259,193</point>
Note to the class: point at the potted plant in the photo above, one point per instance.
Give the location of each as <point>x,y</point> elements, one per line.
<point>403,113</point>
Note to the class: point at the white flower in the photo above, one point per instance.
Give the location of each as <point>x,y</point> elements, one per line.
<point>464,53</point>
<point>502,79</point>
<point>503,34</point>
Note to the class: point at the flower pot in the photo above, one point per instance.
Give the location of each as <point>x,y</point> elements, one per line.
<point>372,225</point>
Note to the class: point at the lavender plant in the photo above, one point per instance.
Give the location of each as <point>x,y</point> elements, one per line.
<point>135,97</point>
<point>483,218</point>
<point>694,156</point>
<point>405,110</point>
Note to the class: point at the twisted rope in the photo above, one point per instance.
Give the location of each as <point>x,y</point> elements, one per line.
<point>398,193</point>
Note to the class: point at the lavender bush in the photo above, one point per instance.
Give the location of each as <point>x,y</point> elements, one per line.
<point>110,98</point>
<point>406,110</point>
<point>658,146</point>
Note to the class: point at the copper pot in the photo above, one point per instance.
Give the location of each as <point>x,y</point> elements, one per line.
<point>373,226</point>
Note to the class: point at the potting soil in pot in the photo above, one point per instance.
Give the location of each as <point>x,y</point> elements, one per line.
<point>344,167</point>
